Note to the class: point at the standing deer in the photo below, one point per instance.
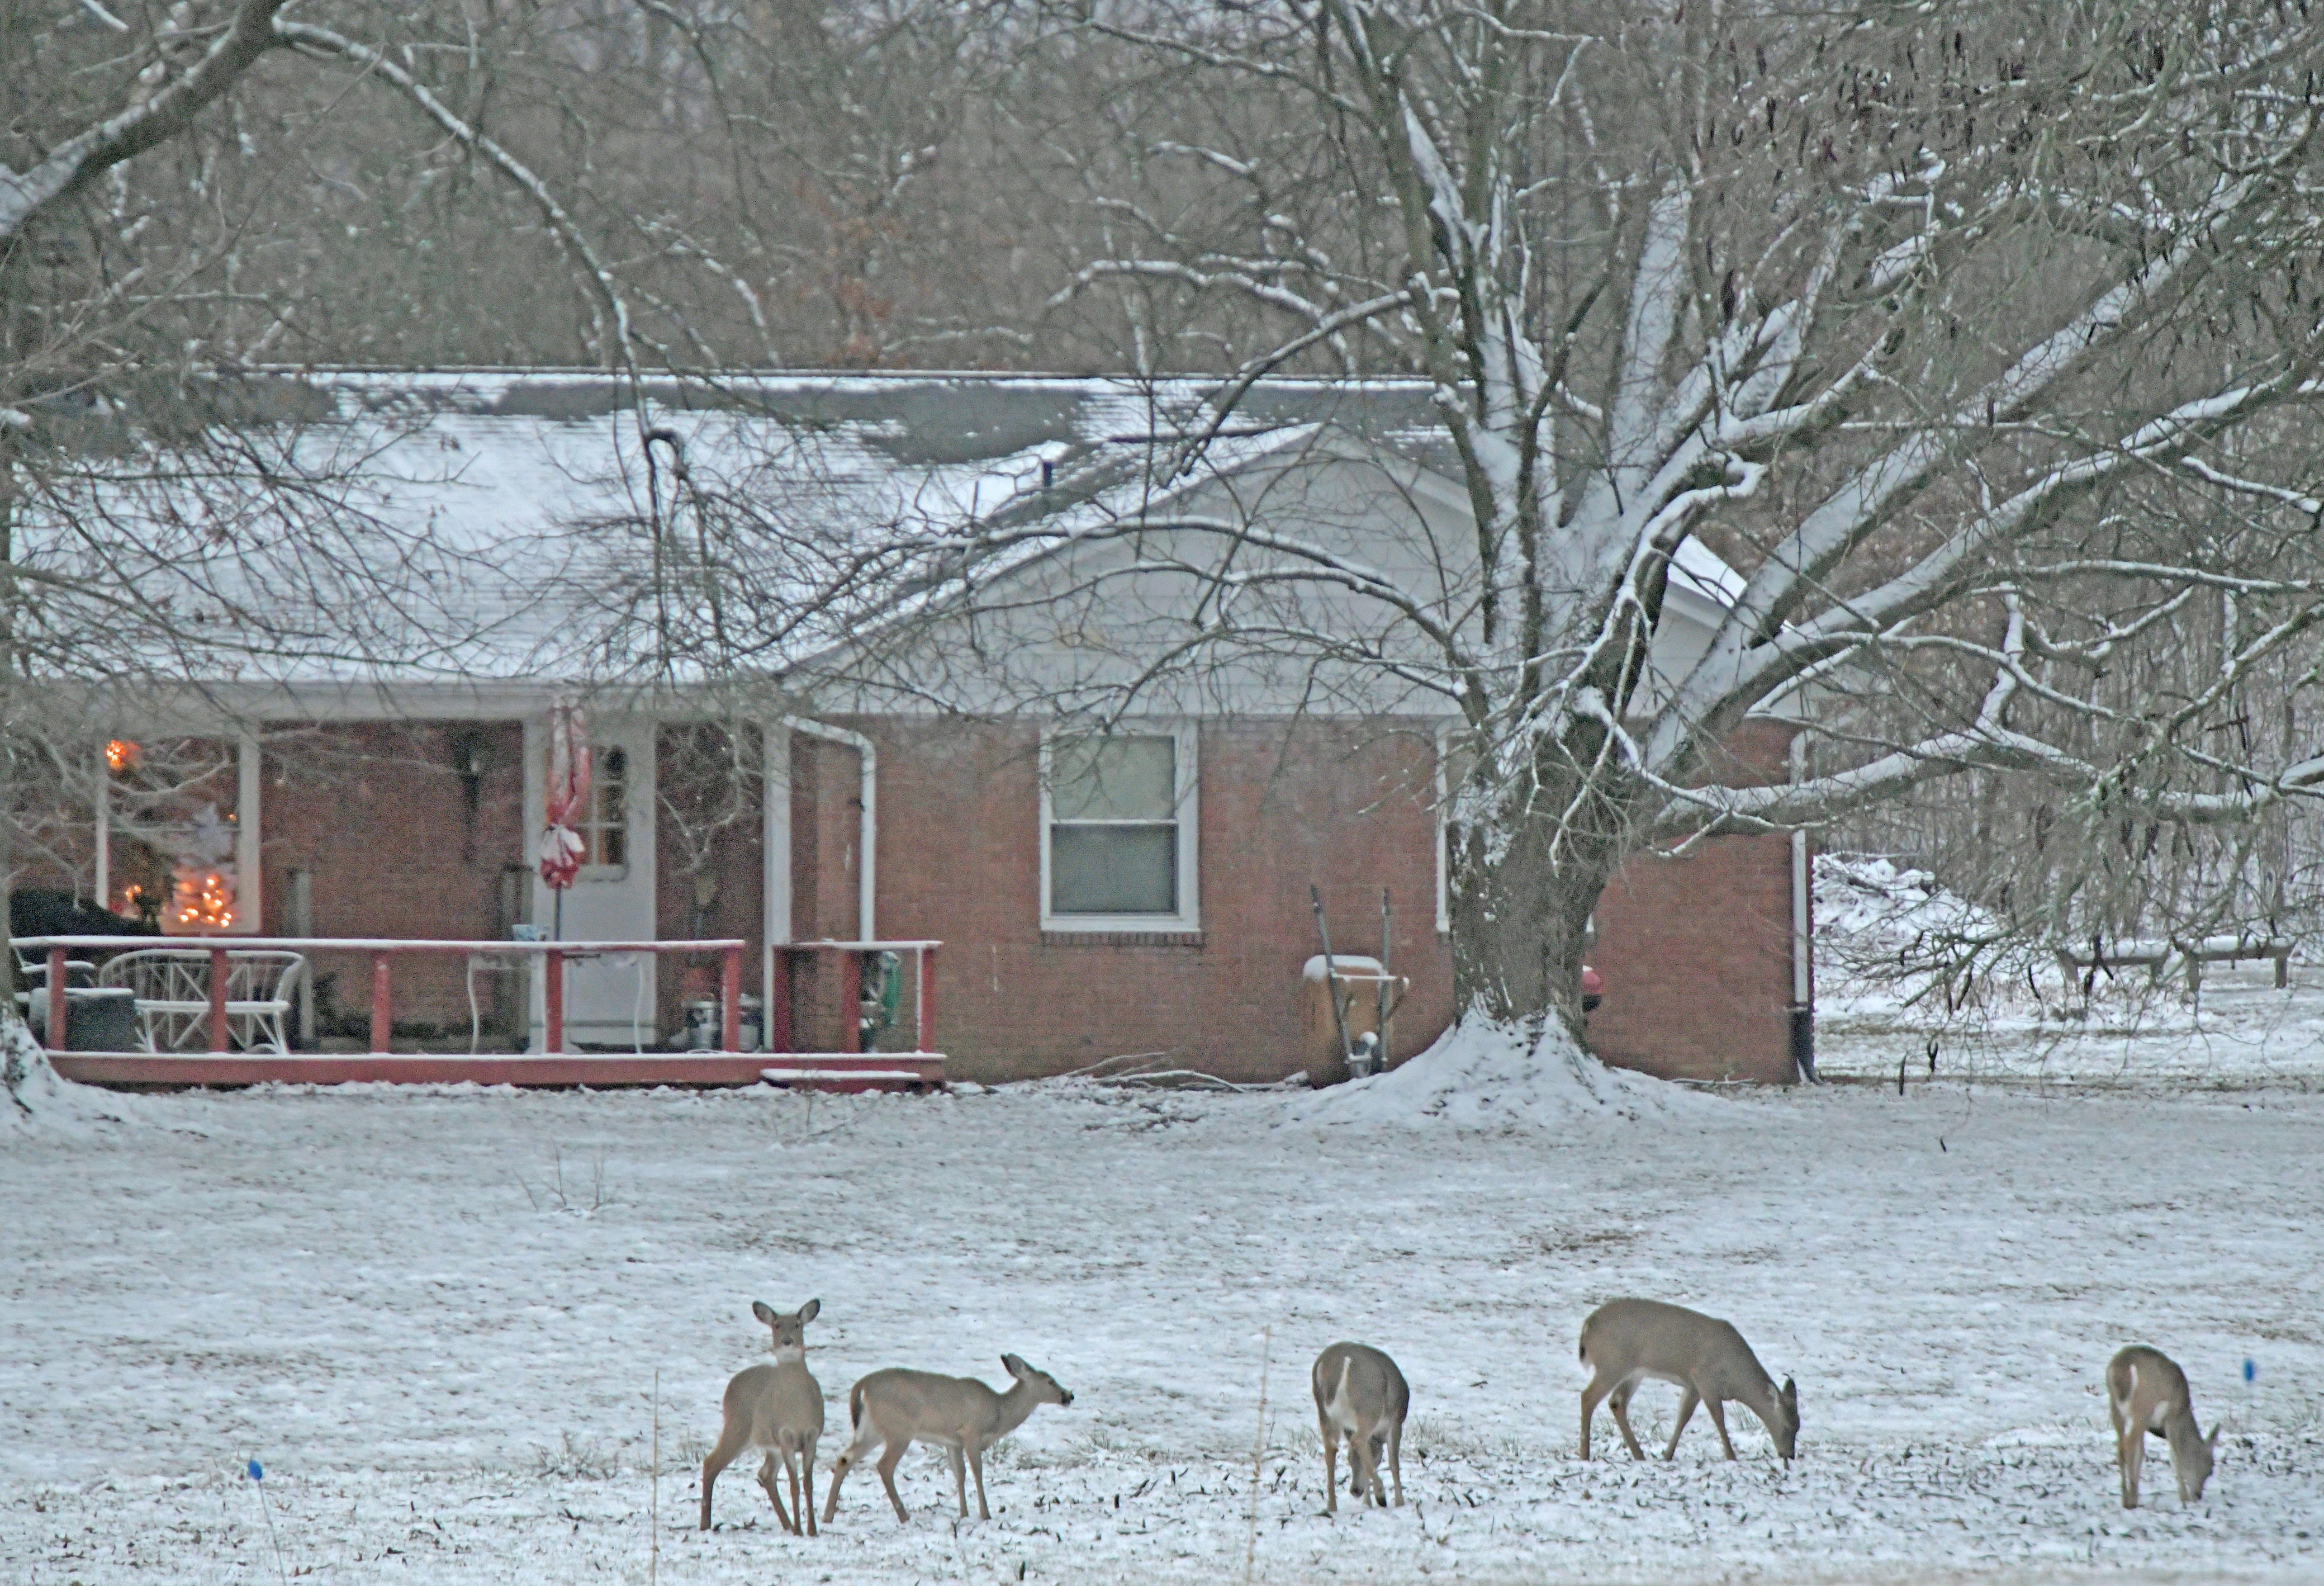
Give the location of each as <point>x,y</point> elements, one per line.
<point>1360,1392</point>
<point>1625,1341</point>
<point>900,1407</point>
<point>2147,1392</point>
<point>778,1408</point>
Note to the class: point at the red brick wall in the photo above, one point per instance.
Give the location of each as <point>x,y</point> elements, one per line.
<point>1696,952</point>
<point>1346,809</point>
<point>826,834</point>
<point>737,866</point>
<point>381,818</point>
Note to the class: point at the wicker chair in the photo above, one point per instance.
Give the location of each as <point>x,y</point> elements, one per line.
<point>173,996</point>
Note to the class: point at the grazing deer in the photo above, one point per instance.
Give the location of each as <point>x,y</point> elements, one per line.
<point>1360,1392</point>
<point>900,1407</point>
<point>2147,1392</point>
<point>778,1408</point>
<point>1625,1341</point>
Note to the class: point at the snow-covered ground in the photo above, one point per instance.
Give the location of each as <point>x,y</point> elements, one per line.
<point>2026,1025</point>
<point>436,1317</point>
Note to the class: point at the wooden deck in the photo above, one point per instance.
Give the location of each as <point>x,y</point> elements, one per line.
<point>824,1071</point>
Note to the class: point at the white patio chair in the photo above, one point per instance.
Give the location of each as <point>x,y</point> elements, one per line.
<point>173,996</point>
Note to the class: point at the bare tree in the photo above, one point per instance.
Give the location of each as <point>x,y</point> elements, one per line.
<point>165,520</point>
<point>1927,320</point>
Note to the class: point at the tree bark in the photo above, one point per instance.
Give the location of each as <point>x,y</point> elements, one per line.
<point>1525,881</point>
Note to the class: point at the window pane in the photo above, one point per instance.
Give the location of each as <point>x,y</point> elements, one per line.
<point>1113,870</point>
<point>1115,779</point>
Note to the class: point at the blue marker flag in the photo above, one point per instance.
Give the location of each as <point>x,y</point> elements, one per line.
<point>255,1473</point>
<point>2251,1369</point>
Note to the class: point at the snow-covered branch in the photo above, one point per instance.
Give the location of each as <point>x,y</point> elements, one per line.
<point>154,117</point>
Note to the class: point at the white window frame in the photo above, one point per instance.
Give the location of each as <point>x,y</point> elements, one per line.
<point>1188,814</point>
<point>592,827</point>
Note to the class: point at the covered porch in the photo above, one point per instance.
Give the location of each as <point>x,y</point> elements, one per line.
<point>374,879</point>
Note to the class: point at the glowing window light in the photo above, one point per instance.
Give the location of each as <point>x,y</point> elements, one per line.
<point>205,903</point>
<point>120,754</point>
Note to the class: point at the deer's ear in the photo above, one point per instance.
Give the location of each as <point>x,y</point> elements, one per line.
<point>763,1312</point>
<point>810,1310</point>
<point>1791,1393</point>
<point>1014,1366</point>
<point>2213,1440</point>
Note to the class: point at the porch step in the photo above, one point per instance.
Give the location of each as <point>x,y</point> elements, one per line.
<point>623,1069</point>
<point>852,1073</point>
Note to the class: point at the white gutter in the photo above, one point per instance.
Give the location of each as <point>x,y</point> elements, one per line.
<point>1803,916</point>
<point>867,874</point>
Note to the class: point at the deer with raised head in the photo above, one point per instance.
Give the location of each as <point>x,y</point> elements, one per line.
<point>778,1408</point>
<point>2146,1392</point>
<point>1359,1395</point>
<point>1626,1342</point>
<point>959,1414</point>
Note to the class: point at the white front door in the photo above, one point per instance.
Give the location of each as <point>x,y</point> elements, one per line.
<point>608,1002</point>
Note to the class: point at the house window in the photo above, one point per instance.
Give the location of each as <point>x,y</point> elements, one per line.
<point>1119,826</point>
<point>604,825</point>
<point>176,839</point>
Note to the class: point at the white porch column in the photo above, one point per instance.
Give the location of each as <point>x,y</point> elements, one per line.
<point>775,841</point>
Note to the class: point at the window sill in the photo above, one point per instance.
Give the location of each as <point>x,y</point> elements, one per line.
<point>1117,939</point>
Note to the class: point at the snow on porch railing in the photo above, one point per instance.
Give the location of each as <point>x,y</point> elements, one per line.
<point>383,951</point>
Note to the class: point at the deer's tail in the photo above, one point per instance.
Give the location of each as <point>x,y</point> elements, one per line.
<point>855,1406</point>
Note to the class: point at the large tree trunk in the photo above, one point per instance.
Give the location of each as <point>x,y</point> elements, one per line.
<point>1524,879</point>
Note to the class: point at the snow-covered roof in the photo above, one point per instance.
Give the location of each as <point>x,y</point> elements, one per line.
<point>511,505</point>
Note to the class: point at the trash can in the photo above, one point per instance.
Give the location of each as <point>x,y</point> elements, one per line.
<point>1358,981</point>
<point>702,1021</point>
<point>97,1018</point>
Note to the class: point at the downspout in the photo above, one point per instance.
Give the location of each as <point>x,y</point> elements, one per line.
<point>867,842</point>
<point>1803,935</point>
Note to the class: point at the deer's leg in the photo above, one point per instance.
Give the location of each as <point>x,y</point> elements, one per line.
<point>889,1458</point>
<point>1395,1459</point>
<point>789,1455</point>
<point>2134,1457</point>
<point>1718,1419</point>
<point>1330,1464</point>
<point>976,1463</point>
<point>806,1468</point>
<point>731,1439</point>
<point>1687,1401</point>
<point>1620,1402</point>
<point>960,1478</point>
<point>774,1491</point>
<point>1359,1476</point>
<point>1591,1397</point>
<point>1377,1447</point>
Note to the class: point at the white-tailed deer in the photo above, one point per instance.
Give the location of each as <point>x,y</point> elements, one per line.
<point>778,1408</point>
<point>2147,1392</point>
<point>1626,1342</point>
<point>899,1407</point>
<point>1360,1394</point>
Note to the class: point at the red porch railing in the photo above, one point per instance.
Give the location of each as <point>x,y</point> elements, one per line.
<point>779,1013</point>
<point>384,951</point>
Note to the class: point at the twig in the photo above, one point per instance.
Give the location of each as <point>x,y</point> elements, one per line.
<point>1091,1069</point>
<point>1258,1455</point>
<point>653,1512</point>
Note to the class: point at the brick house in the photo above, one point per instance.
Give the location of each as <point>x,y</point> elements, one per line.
<point>1145,893</point>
